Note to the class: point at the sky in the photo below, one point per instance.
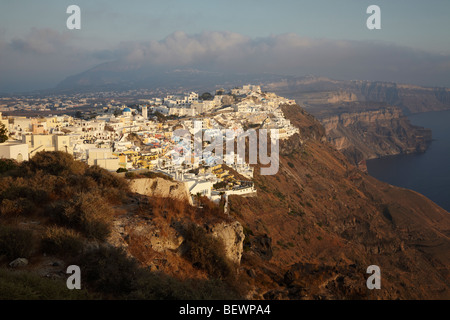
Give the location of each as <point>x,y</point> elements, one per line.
<point>323,37</point>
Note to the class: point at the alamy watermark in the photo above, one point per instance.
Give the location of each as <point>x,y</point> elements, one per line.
<point>74,20</point>
<point>374,281</point>
<point>190,147</point>
<point>74,280</point>
<point>374,21</point>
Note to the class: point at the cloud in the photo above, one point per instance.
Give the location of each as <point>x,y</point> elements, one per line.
<point>290,54</point>
<point>43,57</point>
<point>45,53</point>
<point>42,41</point>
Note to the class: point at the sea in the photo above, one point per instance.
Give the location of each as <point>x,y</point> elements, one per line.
<point>427,173</point>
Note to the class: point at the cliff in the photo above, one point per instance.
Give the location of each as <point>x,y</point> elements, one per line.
<point>316,92</point>
<point>366,119</point>
<point>363,134</point>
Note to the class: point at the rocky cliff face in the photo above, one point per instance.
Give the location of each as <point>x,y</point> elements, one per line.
<point>232,236</point>
<point>318,92</point>
<point>411,99</point>
<point>365,119</point>
<point>159,244</point>
<point>369,134</point>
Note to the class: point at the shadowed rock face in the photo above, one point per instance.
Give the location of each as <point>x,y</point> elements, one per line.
<point>232,235</point>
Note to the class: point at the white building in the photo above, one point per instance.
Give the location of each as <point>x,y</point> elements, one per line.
<point>14,150</point>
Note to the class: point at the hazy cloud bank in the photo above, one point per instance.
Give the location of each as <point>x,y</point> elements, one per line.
<point>46,56</point>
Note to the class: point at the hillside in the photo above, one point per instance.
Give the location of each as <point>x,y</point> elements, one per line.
<point>310,233</point>
<point>56,212</point>
<point>316,226</point>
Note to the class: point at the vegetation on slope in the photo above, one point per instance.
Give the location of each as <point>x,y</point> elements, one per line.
<point>53,208</point>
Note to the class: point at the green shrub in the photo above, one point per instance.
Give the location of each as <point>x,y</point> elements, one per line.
<point>280,195</point>
<point>61,241</point>
<point>15,243</point>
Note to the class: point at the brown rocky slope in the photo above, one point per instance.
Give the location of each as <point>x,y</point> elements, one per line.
<point>310,233</point>
<point>319,223</point>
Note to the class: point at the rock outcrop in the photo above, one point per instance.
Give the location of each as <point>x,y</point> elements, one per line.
<point>18,263</point>
<point>159,187</point>
<point>133,231</point>
<point>232,235</point>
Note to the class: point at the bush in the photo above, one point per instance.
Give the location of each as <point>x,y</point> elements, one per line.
<point>108,270</point>
<point>28,192</point>
<point>111,186</point>
<point>121,170</point>
<point>56,163</point>
<point>88,213</point>
<point>20,206</point>
<point>153,175</point>
<point>130,175</point>
<point>15,243</point>
<point>207,253</point>
<point>61,241</point>
<point>9,208</point>
<point>106,179</point>
<point>18,285</point>
<point>158,286</point>
<point>7,165</point>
